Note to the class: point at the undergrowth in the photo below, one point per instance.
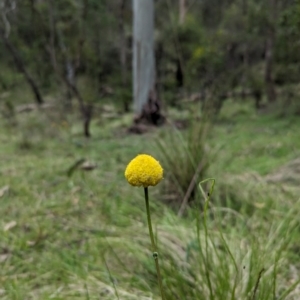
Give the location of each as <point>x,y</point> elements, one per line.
<point>84,236</point>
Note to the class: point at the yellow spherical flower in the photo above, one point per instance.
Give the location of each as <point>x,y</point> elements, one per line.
<point>144,170</point>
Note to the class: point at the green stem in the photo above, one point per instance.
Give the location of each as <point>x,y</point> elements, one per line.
<point>154,247</point>
<point>207,253</point>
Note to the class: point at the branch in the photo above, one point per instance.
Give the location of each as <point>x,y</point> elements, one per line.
<point>4,11</point>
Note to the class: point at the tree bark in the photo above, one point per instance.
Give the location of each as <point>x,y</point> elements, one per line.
<point>182,11</point>
<point>143,52</point>
<point>21,67</point>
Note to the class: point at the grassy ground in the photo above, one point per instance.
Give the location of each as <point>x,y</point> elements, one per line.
<point>84,236</point>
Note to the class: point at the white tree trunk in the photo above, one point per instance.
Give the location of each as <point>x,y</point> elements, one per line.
<point>182,11</point>
<point>143,52</point>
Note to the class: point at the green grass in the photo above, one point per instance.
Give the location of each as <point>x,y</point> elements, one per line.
<point>85,236</point>
<point>258,143</point>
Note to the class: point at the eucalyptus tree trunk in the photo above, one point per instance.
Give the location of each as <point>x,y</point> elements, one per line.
<point>143,52</point>
<point>182,11</point>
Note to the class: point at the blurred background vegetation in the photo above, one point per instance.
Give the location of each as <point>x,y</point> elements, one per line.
<point>207,51</point>
<point>228,88</point>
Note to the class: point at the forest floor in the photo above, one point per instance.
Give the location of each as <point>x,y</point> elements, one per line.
<point>72,233</point>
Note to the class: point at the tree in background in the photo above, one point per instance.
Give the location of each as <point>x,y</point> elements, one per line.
<point>7,7</point>
<point>209,50</point>
<point>182,11</point>
<point>146,103</point>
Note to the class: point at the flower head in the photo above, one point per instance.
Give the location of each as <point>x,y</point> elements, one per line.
<point>144,170</point>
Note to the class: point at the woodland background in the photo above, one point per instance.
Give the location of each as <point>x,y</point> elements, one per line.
<point>224,105</point>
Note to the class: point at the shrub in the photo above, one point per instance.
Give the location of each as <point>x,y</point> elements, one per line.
<point>186,157</point>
